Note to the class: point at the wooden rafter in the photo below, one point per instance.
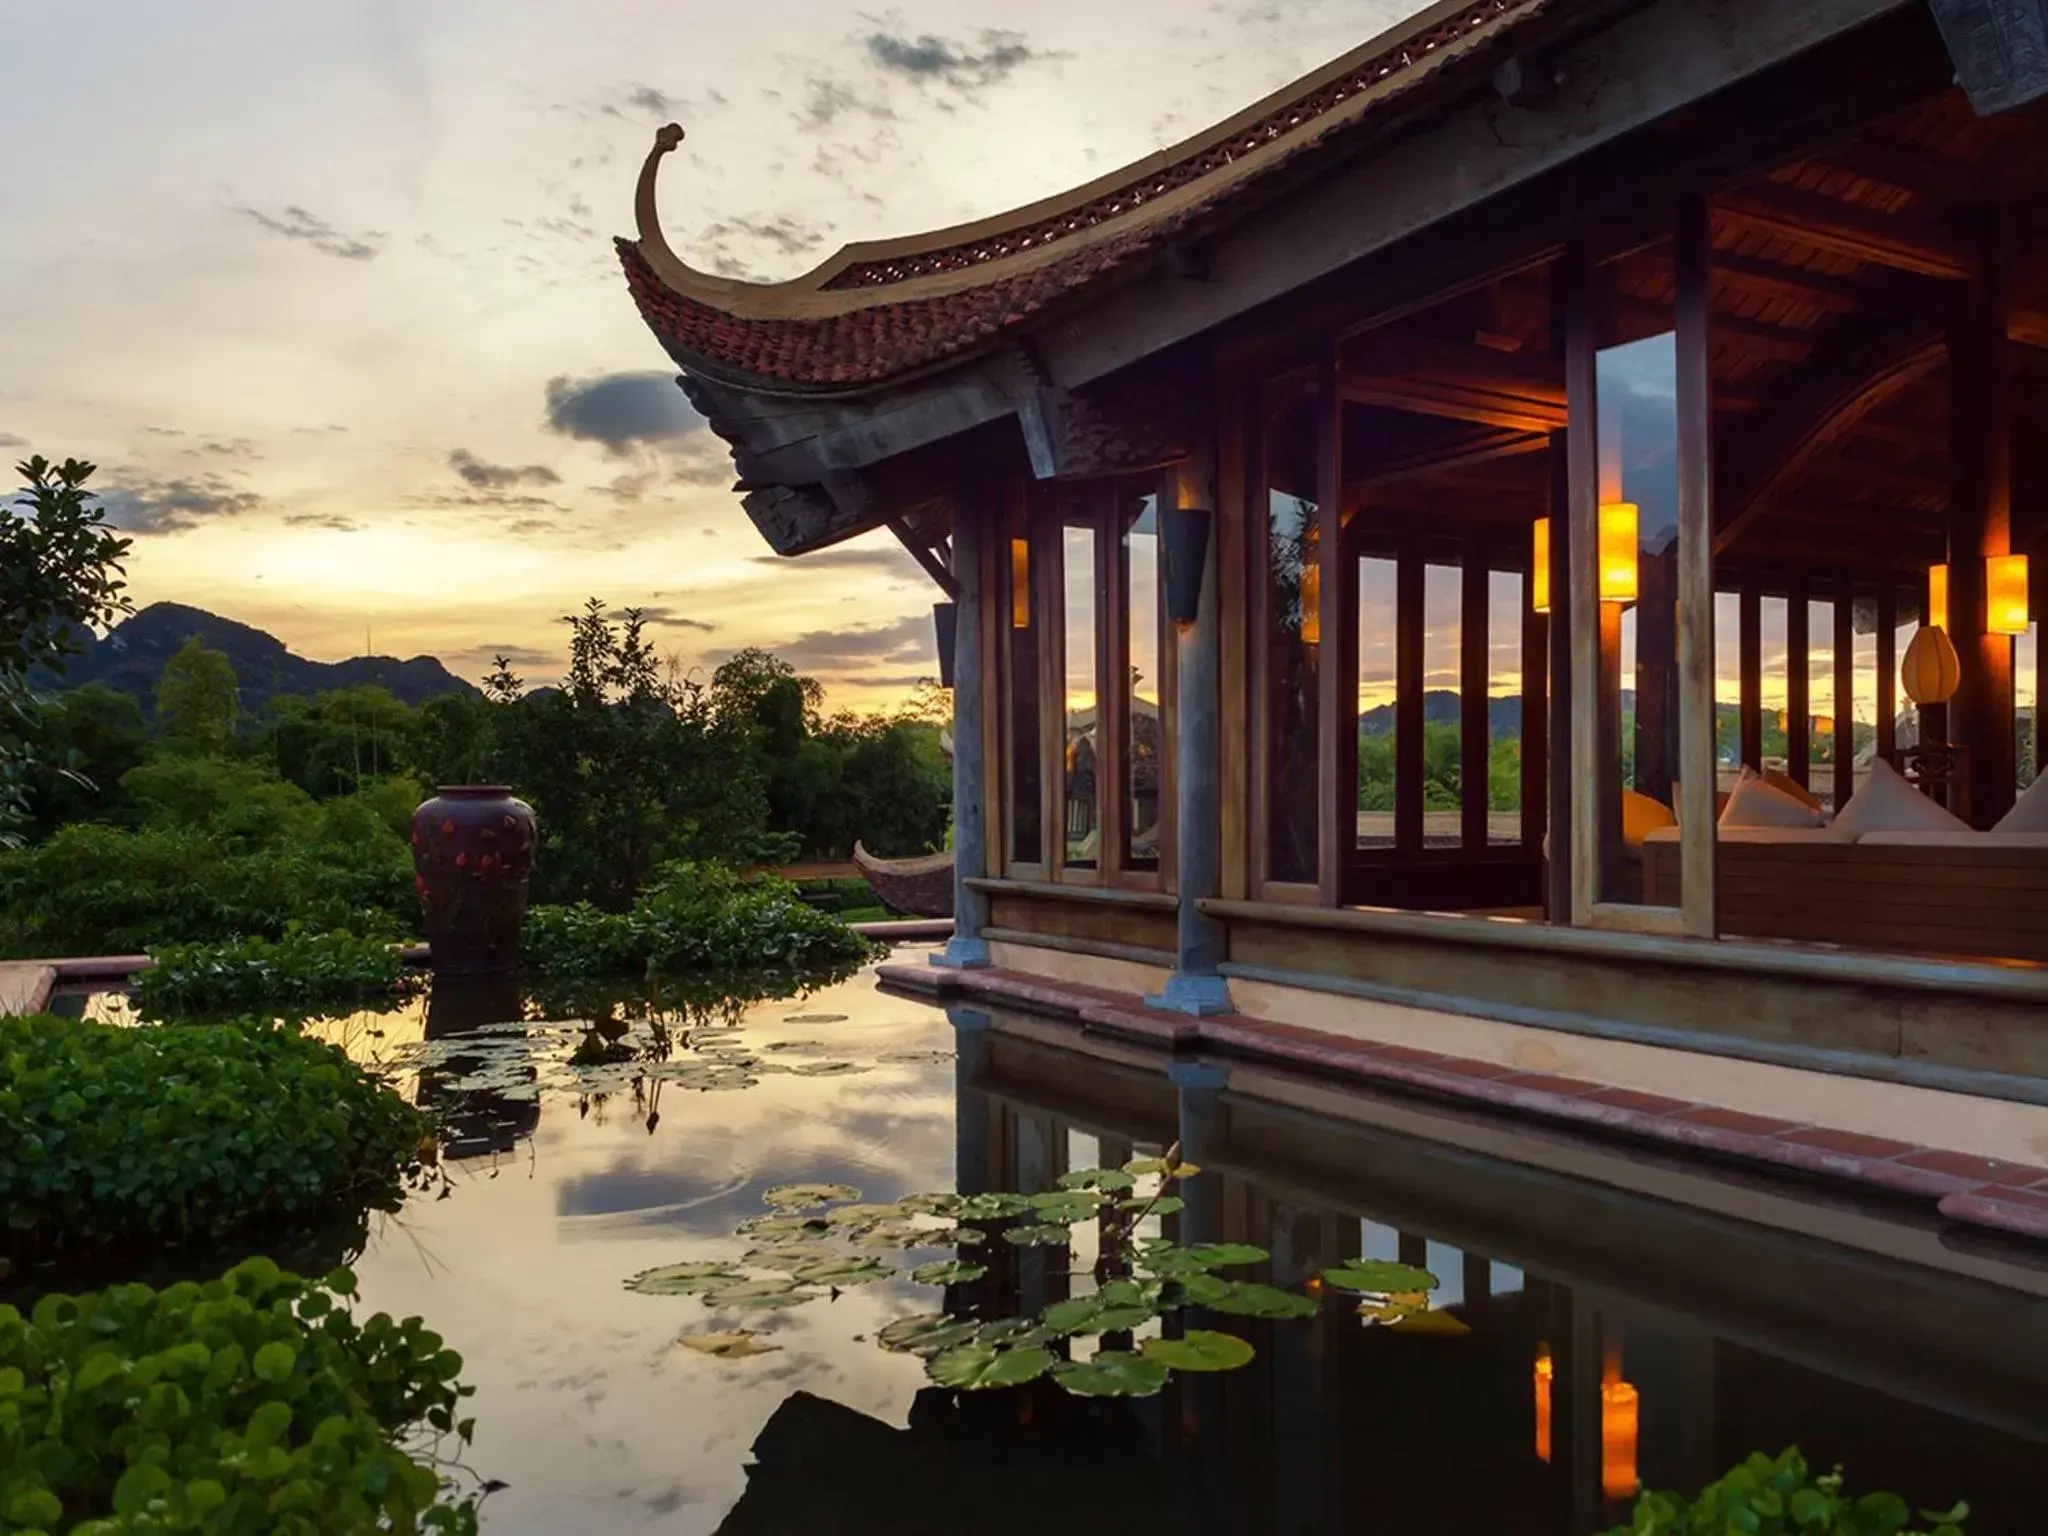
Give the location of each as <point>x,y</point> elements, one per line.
<point>1422,374</point>
<point>1938,178</point>
<point>1771,280</point>
<point>924,555</point>
<point>1814,408</point>
<point>1904,242</point>
<point>1480,448</point>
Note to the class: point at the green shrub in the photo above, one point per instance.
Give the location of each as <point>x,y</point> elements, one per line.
<point>252,1403</point>
<point>694,918</point>
<point>1782,1497</point>
<point>98,890</point>
<point>114,1138</point>
<point>298,973</point>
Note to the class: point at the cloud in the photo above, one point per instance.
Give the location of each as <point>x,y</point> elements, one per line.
<point>620,410</point>
<point>295,223</point>
<point>663,617</point>
<point>518,655</point>
<point>332,521</point>
<point>827,98</point>
<point>881,560</point>
<point>175,505</point>
<point>499,477</point>
<point>927,59</point>
<point>787,237</point>
<point>9,440</point>
<point>903,643</point>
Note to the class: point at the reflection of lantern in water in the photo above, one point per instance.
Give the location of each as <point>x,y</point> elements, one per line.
<point>1620,1411</point>
<point>1544,1371</point>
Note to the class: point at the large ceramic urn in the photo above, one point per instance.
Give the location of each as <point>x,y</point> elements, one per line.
<point>472,856</point>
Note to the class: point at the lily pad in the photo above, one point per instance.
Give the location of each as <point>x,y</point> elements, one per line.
<point>1089,1314</point>
<point>1128,1293</point>
<point>683,1279</point>
<point>927,1333</point>
<point>743,1292</point>
<point>1067,1207</point>
<point>1378,1278</point>
<point>733,1344</point>
<point>1225,1255</point>
<point>1201,1289</point>
<point>914,1058</point>
<point>815,1018</point>
<point>843,1272</point>
<point>992,1207</point>
<point>948,1272</point>
<point>829,1069</point>
<point>1250,1300</point>
<point>905,1234</point>
<point>932,1203</point>
<point>860,1217</point>
<point>1165,1205</point>
<point>1199,1349</point>
<point>782,1229</point>
<point>1037,1237</point>
<point>1097,1178</point>
<point>795,1045</point>
<point>1144,1167</point>
<point>788,1256</point>
<point>977,1367</point>
<point>1016,1332</point>
<point>804,1197</point>
<point>1112,1373</point>
<point>1440,1323</point>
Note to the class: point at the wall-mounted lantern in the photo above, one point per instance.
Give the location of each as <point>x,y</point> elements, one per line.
<point>946,619</point>
<point>1619,524</point>
<point>1539,566</point>
<point>1184,537</point>
<point>2005,595</point>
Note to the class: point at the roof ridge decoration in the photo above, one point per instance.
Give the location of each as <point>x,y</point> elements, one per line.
<point>880,310</point>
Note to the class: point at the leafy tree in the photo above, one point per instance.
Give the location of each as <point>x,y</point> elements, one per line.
<point>337,742</point>
<point>197,698</point>
<point>91,736</point>
<point>60,574</point>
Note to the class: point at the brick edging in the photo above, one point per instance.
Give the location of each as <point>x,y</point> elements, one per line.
<point>2011,1198</point>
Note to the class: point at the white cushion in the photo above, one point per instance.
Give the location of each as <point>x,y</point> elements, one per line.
<point>1887,803</point>
<point>2030,812</point>
<point>1755,802</point>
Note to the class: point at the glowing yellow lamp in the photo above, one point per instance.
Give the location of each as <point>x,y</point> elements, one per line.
<point>1020,583</point>
<point>1823,725</point>
<point>1539,567</point>
<point>1618,533</point>
<point>2005,595</point>
<point>1312,603</point>
<point>1932,671</point>
<point>1620,1416</point>
<point>1545,1370</point>
<point>1937,596</point>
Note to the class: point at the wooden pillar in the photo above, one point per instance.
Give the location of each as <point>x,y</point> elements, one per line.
<point>1474,632</point>
<point>1845,692</point>
<point>1798,667</point>
<point>1697,717</point>
<point>1408,689</point>
<point>1887,711</point>
<point>1593,783</point>
<point>1980,525</point>
<point>1558,895</point>
<point>1337,665</point>
<point>1751,652</point>
<point>970,689</point>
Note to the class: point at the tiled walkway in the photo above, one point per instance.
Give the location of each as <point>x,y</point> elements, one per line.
<point>1977,1191</point>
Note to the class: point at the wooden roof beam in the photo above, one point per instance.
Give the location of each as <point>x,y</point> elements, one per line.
<point>1406,372</point>
<point>1938,178</point>
<point>1814,408</point>
<point>1902,242</point>
<point>1480,448</point>
<point>1836,295</point>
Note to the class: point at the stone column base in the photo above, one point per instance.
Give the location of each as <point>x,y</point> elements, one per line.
<point>1190,993</point>
<point>962,954</point>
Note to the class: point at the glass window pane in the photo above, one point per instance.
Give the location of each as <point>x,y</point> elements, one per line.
<point>1820,699</point>
<point>1146,744</point>
<point>1504,695</point>
<point>1727,689</point>
<point>1861,740</point>
<point>1443,591</point>
<point>2026,672</point>
<point>1774,691</point>
<point>1637,442</point>
<point>1293,536</point>
<point>1378,720</point>
<point>1082,744</point>
<point>1906,719</point>
<point>1021,677</point>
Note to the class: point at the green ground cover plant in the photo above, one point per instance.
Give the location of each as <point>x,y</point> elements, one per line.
<point>253,1403</point>
<point>119,1139</point>
<point>694,918</point>
<point>298,973</point>
<point>1782,1496</point>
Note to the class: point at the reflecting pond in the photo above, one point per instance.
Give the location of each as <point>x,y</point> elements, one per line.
<point>1598,1314</point>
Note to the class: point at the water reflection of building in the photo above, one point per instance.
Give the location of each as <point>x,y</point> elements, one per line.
<point>1622,1316</point>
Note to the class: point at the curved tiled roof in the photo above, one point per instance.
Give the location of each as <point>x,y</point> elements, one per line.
<point>878,312</point>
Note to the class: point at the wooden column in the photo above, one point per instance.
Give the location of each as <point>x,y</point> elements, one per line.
<point>1798,666</point>
<point>1887,711</point>
<point>1408,689</point>
<point>1845,692</point>
<point>1560,789</point>
<point>1337,665</point>
<point>1980,524</point>
<point>1593,786</point>
<point>1751,653</point>
<point>1535,715</point>
<point>1694,398</point>
<point>1474,632</point>
<point>971,680</point>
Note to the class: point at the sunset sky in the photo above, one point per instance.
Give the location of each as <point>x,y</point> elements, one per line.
<point>328,291</point>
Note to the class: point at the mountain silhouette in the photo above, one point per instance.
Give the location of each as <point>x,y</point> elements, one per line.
<point>131,657</point>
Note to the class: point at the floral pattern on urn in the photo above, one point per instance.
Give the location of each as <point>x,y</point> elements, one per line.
<point>472,855</point>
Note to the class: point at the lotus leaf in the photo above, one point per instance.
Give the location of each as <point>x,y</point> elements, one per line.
<point>927,1333</point>
<point>935,1203</point>
<point>1144,1167</point>
<point>683,1279</point>
<point>843,1272</point>
<point>736,1344</point>
<point>1066,1207</point>
<point>905,1234</point>
<point>975,1367</point>
<point>1165,1205</point>
<point>1373,1277</point>
<point>1096,1178</point>
<point>815,1018</point>
<point>1090,1314</point>
<point>781,1229</point>
<point>1199,1350</point>
<point>1037,1237</point>
<point>1201,1289</point>
<point>740,1292</point>
<point>830,1069</point>
<point>914,1058</point>
<point>860,1217</point>
<point>1250,1300</point>
<point>992,1207</point>
<point>795,1045</point>
<point>789,1256</point>
<point>948,1272</point>
<point>1128,1293</point>
<point>803,1197</point>
<point>1016,1331</point>
<point>1112,1373</point>
<point>1226,1255</point>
